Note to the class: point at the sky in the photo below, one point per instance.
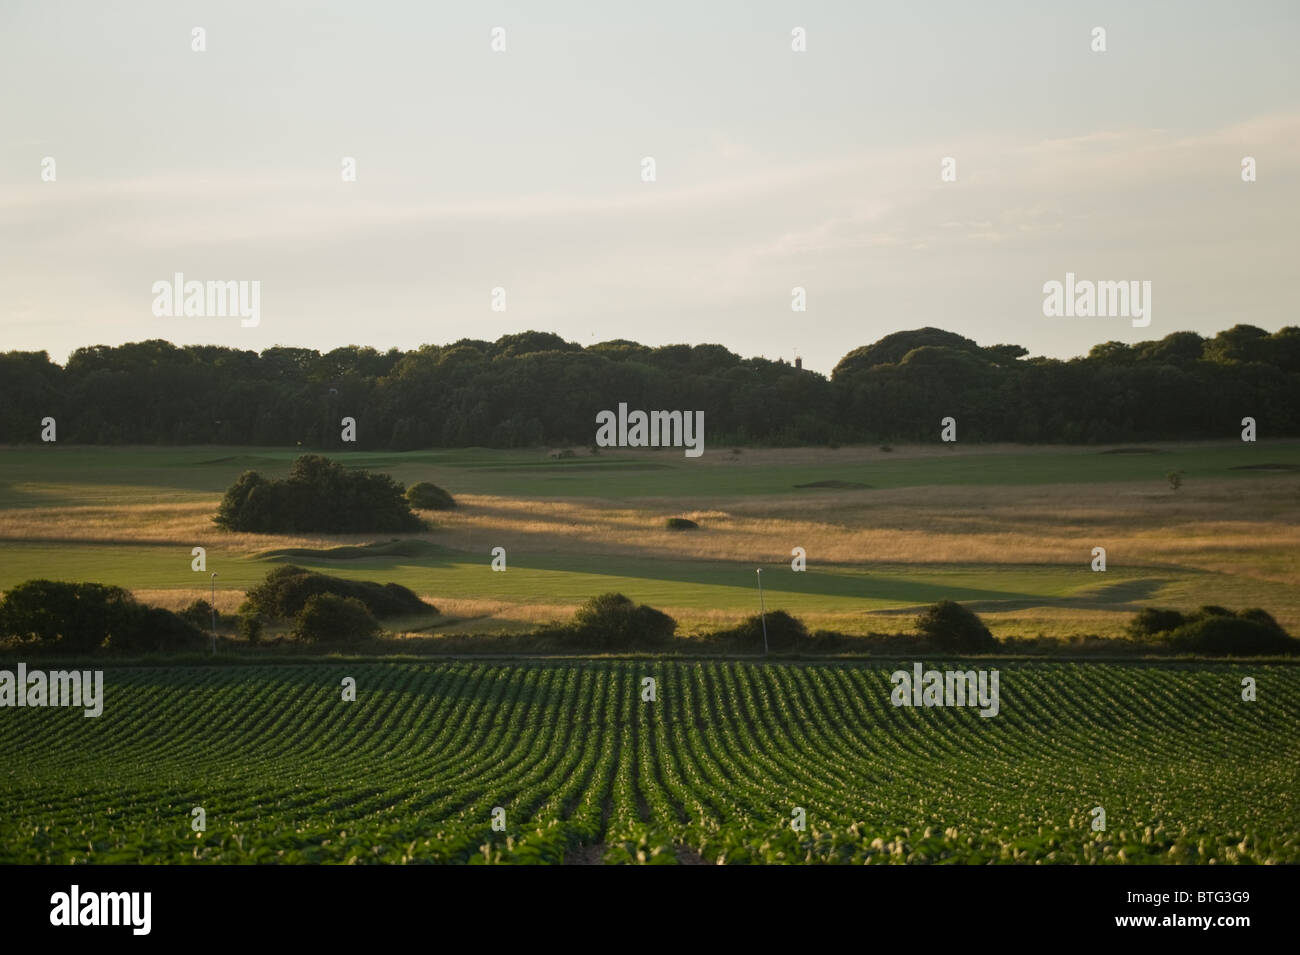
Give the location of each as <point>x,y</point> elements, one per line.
<point>523,170</point>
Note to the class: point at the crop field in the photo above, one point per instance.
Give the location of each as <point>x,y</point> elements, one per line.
<point>712,770</point>
<point>1007,530</point>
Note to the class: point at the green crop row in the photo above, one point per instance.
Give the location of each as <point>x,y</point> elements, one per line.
<point>545,762</point>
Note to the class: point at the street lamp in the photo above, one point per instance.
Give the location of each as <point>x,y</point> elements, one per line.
<point>762,610</point>
<point>214,613</point>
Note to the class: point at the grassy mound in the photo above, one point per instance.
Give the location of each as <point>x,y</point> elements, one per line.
<point>429,497</point>
<point>394,548</point>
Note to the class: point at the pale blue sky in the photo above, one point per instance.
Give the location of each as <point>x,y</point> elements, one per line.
<point>522,169</point>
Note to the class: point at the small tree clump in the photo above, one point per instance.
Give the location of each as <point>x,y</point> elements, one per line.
<point>319,495</point>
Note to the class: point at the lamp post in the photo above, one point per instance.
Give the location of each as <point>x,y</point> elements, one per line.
<point>762,610</point>
<point>214,613</point>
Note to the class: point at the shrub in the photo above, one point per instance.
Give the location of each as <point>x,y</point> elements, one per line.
<point>286,590</point>
<point>1175,479</point>
<point>318,495</point>
<point>614,622</point>
<point>84,617</point>
<point>681,524</point>
<point>198,613</point>
<point>784,632</point>
<point>429,497</point>
<point>1150,622</point>
<point>156,629</point>
<point>75,616</point>
<point>250,628</point>
<point>950,626</point>
<point>331,619</point>
<point>1239,636</point>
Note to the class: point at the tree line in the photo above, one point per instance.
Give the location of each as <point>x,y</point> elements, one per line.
<point>534,388</point>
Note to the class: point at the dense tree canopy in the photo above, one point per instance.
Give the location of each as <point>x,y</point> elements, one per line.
<point>534,388</point>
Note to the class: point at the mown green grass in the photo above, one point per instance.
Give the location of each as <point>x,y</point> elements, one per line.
<point>41,476</point>
<point>699,585</point>
<point>288,772</point>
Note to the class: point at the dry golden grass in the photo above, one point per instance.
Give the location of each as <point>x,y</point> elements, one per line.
<point>180,524</point>
<point>1214,527</point>
<point>228,601</point>
<point>524,614</point>
<point>1218,526</point>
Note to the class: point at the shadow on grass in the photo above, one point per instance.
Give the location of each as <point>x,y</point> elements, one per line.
<point>1127,595</point>
<point>376,558</point>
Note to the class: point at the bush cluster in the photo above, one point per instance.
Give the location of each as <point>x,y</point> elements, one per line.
<point>1213,629</point>
<point>285,591</point>
<point>325,610</point>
